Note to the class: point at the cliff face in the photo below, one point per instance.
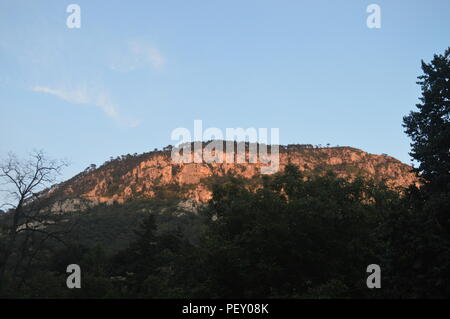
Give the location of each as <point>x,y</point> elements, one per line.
<point>148,174</point>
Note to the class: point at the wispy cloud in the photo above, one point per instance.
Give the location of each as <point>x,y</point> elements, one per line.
<point>85,96</point>
<point>138,55</point>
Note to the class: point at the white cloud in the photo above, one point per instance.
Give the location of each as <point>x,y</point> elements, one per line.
<point>77,96</point>
<point>138,55</point>
<point>148,55</point>
<point>84,96</point>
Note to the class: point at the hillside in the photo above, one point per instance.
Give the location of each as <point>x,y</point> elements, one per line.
<point>154,174</point>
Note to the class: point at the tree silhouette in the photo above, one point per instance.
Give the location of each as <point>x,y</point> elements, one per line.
<point>27,228</point>
<point>429,127</point>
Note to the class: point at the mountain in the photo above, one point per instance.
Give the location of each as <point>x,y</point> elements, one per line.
<point>155,174</point>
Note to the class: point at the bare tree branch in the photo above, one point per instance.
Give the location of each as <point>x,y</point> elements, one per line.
<point>24,185</point>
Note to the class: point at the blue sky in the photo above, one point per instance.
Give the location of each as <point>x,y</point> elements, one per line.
<point>136,70</point>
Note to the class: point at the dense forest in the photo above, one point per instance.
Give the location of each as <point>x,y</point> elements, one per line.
<point>290,235</point>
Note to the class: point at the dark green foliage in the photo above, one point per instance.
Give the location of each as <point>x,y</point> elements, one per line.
<point>114,226</point>
<point>108,226</point>
<point>285,236</point>
<point>291,238</point>
<point>429,127</point>
<point>417,251</point>
<point>418,237</point>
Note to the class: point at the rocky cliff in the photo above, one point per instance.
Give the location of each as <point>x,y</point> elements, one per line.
<point>155,173</point>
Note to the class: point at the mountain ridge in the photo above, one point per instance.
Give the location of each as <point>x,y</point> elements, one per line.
<point>155,174</point>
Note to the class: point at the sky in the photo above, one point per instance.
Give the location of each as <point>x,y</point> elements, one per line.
<point>136,70</point>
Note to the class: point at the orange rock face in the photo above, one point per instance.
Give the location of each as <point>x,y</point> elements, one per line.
<point>143,175</point>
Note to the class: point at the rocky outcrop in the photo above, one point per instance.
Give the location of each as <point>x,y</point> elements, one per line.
<point>147,175</point>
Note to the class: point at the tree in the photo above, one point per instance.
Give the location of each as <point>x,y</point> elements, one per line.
<point>296,236</point>
<point>27,224</point>
<point>429,127</point>
<point>152,266</point>
<point>418,238</point>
